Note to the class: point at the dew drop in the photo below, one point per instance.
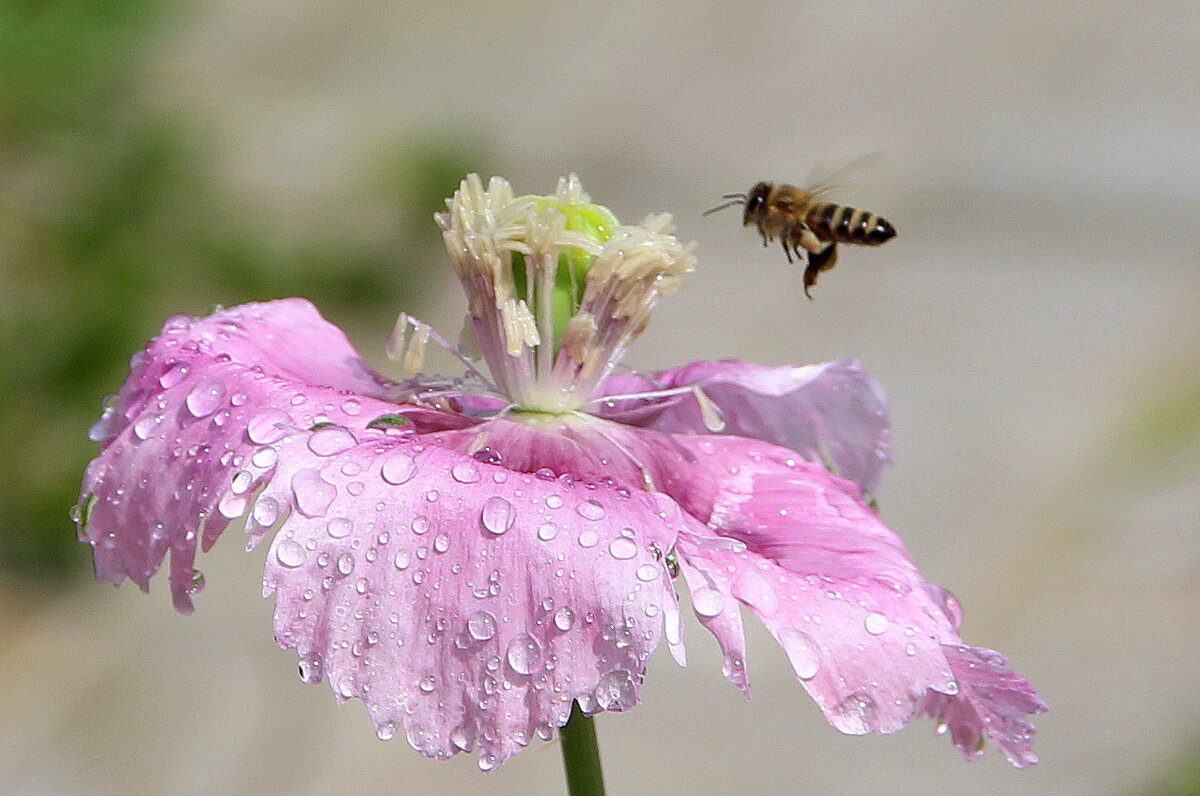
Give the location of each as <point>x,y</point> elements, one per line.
<point>554,501</point>
<point>523,654</point>
<point>264,457</point>
<point>313,493</point>
<point>428,683</point>
<point>266,511</point>
<point>647,573</point>
<point>420,524</point>
<point>441,543</point>
<point>615,690</point>
<point>386,731</point>
<point>205,397</point>
<point>173,375</point>
<point>241,482</point>
<point>269,426</point>
<point>232,506</point>
<point>402,560</point>
<point>465,473</point>
<point>590,510</point>
<point>481,625</point>
<point>708,601</point>
<point>290,553</point>
<point>589,539</point>
<point>622,548</point>
<point>857,714</point>
<point>345,563</point>
<point>801,651</point>
<point>876,623</point>
<point>399,468</point>
<point>339,527</point>
<point>547,531</point>
<point>146,425</point>
<point>331,440</point>
<point>564,618</point>
<point>351,406</point>
<point>498,515</point>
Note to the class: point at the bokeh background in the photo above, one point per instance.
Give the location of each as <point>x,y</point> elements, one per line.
<point>1036,324</point>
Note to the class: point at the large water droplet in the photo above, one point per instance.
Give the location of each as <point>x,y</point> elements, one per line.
<point>265,457</point>
<point>481,625</point>
<point>345,563</point>
<point>339,527</point>
<point>290,553</point>
<point>615,690</point>
<point>269,426</point>
<point>174,374</point>
<point>647,572</point>
<point>876,623</point>
<point>564,618</point>
<point>420,524</point>
<point>266,511</point>
<point>622,548</point>
<point>590,509</point>
<point>241,482</point>
<point>232,506</point>
<point>147,425</point>
<point>801,651</point>
<point>205,397</point>
<point>547,531</point>
<point>441,543</point>
<point>331,440</point>
<point>589,539</point>
<point>465,473</point>
<point>398,468</point>
<point>857,714</point>
<point>498,515</point>
<point>313,493</point>
<point>386,731</point>
<point>524,654</point>
<point>708,601</point>
<point>402,560</point>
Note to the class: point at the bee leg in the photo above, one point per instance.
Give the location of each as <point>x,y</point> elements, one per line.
<point>817,262</point>
<point>784,240</point>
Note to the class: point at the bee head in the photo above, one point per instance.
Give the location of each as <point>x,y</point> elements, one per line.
<point>756,199</point>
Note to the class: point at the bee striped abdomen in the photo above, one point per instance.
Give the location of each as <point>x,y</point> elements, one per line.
<point>842,224</point>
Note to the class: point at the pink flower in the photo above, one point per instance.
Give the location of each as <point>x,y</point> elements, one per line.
<point>469,556</point>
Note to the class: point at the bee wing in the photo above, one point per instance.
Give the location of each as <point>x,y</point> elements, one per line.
<point>823,178</point>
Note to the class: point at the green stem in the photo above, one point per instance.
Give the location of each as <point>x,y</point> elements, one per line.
<point>581,755</point>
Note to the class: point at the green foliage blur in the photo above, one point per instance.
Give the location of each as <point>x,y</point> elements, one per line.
<point>110,222</point>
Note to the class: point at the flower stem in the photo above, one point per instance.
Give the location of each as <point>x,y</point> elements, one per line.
<point>581,755</point>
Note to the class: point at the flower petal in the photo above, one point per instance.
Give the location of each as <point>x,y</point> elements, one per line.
<point>992,701</point>
<point>872,642</point>
<point>834,413</point>
<point>394,561</point>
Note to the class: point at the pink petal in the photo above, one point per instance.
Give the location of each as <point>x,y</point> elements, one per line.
<point>394,561</point>
<point>992,702</point>
<point>872,642</point>
<point>834,413</point>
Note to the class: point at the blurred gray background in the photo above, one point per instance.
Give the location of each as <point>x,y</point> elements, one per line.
<point>1036,325</point>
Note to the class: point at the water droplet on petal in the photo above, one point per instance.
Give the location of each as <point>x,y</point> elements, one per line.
<point>564,618</point>
<point>647,572</point>
<point>269,426</point>
<point>465,473</point>
<point>801,651</point>
<point>331,440</point>
<point>524,654</point>
<point>196,584</point>
<point>402,560</point>
<point>266,511</point>
<point>590,509</point>
<point>708,601</point>
<point>547,531</point>
<point>616,691</point>
<point>441,543</point>
<point>857,714</point>
<point>173,375</point>
<point>386,731</point>
<point>428,683</point>
<point>481,625</point>
<point>264,457</point>
<point>554,501</point>
<point>622,548</point>
<point>232,506</point>
<point>146,425</point>
<point>498,515</point>
<point>290,553</point>
<point>345,563</point>
<point>313,493</point>
<point>241,482</point>
<point>589,539</point>
<point>399,468</point>
<point>205,397</point>
<point>420,524</point>
<point>876,623</point>
<point>339,527</point>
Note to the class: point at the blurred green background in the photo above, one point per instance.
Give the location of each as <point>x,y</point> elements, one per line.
<point>1036,324</point>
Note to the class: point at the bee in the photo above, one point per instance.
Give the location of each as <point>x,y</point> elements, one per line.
<point>803,221</point>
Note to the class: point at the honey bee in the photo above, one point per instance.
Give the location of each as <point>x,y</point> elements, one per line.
<point>802,220</point>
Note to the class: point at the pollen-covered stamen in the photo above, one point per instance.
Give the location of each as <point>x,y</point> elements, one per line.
<point>556,287</point>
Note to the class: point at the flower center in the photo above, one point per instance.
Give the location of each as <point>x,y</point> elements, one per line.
<point>557,289</point>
